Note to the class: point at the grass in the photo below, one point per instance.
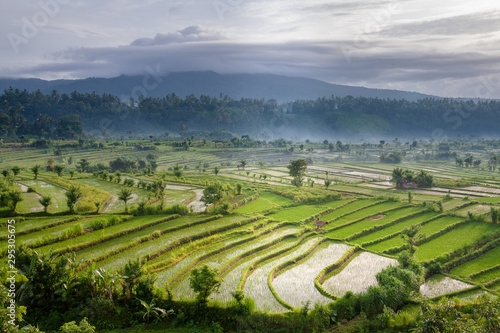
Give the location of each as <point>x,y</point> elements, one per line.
<point>296,214</point>
<point>367,223</point>
<point>396,228</point>
<point>255,206</point>
<point>361,214</point>
<point>487,260</point>
<point>358,204</point>
<point>57,194</point>
<point>454,240</point>
<point>276,199</point>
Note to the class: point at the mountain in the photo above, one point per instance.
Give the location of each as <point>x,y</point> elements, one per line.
<point>266,86</point>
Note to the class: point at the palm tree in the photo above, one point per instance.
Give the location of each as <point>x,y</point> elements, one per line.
<point>216,171</point>
<point>73,194</point>
<point>16,170</point>
<point>150,310</point>
<point>328,182</point>
<point>36,170</point>
<point>15,197</point>
<point>45,202</point>
<point>125,195</point>
<point>59,169</point>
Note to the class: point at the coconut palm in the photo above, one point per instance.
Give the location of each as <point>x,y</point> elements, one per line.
<point>125,195</point>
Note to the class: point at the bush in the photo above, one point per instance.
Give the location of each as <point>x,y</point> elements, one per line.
<point>72,327</point>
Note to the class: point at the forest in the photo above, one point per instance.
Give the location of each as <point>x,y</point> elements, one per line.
<point>67,115</point>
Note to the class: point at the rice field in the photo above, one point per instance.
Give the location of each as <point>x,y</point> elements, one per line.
<point>487,260</point>
<point>439,285</point>
<point>256,284</point>
<point>296,285</point>
<point>359,274</point>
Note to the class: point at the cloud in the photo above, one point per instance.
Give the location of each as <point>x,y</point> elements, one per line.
<point>189,34</point>
<point>470,24</point>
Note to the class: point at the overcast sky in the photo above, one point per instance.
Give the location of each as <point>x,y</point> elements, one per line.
<point>446,48</point>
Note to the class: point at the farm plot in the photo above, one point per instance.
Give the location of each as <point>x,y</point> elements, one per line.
<point>115,205</point>
<point>439,285</point>
<point>231,280</point>
<point>487,260</point>
<point>475,209</point>
<point>394,229</point>
<point>359,274</point>
<point>296,285</point>
<point>256,284</point>
<point>93,237</point>
<point>164,241</point>
<point>224,258</point>
<point>348,209</point>
<point>368,212</point>
<point>122,242</point>
<point>276,199</point>
<point>488,275</point>
<point>58,203</point>
<point>66,230</point>
<point>296,214</point>
<point>255,206</point>
<point>34,224</point>
<point>455,239</point>
<point>30,203</point>
<point>373,221</point>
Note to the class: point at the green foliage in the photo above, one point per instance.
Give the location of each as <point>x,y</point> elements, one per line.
<point>45,202</point>
<point>204,281</point>
<point>212,194</point>
<point>73,194</point>
<point>36,170</point>
<point>72,327</point>
<point>125,195</point>
<point>297,170</point>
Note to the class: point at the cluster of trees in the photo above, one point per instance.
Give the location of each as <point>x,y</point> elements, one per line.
<point>423,178</point>
<point>56,114</point>
<point>394,157</point>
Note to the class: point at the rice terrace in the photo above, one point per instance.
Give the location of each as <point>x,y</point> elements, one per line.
<point>284,235</point>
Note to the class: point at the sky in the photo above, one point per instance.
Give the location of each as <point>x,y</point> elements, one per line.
<point>447,48</point>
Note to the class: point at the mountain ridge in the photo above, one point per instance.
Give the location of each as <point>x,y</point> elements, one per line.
<point>261,86</point>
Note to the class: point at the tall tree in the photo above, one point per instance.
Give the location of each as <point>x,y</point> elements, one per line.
<point>125,195</point>
<point>204,281</point>
<point>297,170</point>
<point>45,202</point>
<point>36,170</point>
<point>73,194</point>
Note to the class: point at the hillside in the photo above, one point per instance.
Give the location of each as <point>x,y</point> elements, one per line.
<point>266,86</point>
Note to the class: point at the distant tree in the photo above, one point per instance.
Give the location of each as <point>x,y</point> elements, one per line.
<point>492,163</point>
<point>83,165</point>
<point>297,170</point>
<point>71,173</point>
<point>212,195</point>
<point>238,188</point>
<point>477,163</point>
<point>243,163</point>
<point>469,161</point>
<point>204,281</point>
<point>16,170</point>
<point>45,202</point>
<point>125,195</point>
<point>15,197</point>
<point>459,161</point>
<point>36,170</point>
<point>325,142</point>
<point>178,171</point>
<point>494,213</point>
<point>328,182</point>
<point>73,194</point>
<point>59,169</point>
<point>410,197</point>
<point>216,171</point>
<point>5,173</point>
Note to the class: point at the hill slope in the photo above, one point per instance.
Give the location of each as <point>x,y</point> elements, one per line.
<point>267,86</point>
